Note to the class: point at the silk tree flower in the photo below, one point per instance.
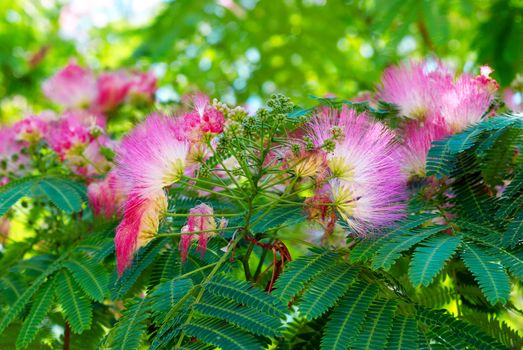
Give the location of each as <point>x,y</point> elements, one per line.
<point>414,87</point>
<point>69,136</point>
<point>98,155</point>
<point>105,198</point>
<point>417,140</point>
<point>201,219</point>
<point>71,87</point>
<point>142,86</point>
<point>151,157</point>
<point>465,103</point>
<point>112,90</point>
<point>141,219</point>
<point>513,100</point>
<point>204,119</point>
<point>31,129</point>
<point>367,187</point>
<point>13,161</point>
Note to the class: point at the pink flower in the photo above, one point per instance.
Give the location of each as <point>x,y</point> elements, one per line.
<point>417,140</point>
<point>153,155</point>
<point>104,197</point>
<point>5,224</point>
<point>69,136</point>
<point>13,162</point>
<point>31,129</point>
<point>366,186</point>
<point>513,100</point>
<point>112,90</point>
<point>465,103</point>
<point>201,219</point>
<point>72,87</point>
<point>140,223</point>
<point>413,87</point>
<point>204,119</point>
<point>97,162</point>
<point>142,86</point>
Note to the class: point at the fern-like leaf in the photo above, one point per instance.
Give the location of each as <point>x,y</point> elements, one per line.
<point>90,276</point>
<point>12,192</point>
<point>167,294</point>
<point>76,306</point>
<point>128,332</point>
<point>244,293</point>
<point>41,305</point>
<point>244,317</point>
<point>403,335</point>
<point>61,194</point>
<point>325,290</point>
<point>301,271</point>
<point>221,334</point>
<point>391,251</point>
<point>430,257</point>
<point>344,323</point>
<point>490,274</point>
<point>514,232</point>
<point>376,326</point>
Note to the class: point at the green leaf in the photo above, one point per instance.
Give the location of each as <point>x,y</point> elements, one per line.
<point>430,257</point>
<point>490,274</point>
<point>61,194</point>
<point>403,335</point>
<point>344,323</point>
<point>167,294</point>
<point>325,290</point>
<point>12,192</point>
<point>90,276</point>
<point>246,294</point>
<point>76,306</point>
<point>17,307</point>
<point>392,250</point>
<point>376,326</point>
<point>244,317</point>
<point>220,334</point>
<point>128,332</point>
<point>301,270</point>
<point>41,306</point>
<point>440,161</point>
<point>514,232</point>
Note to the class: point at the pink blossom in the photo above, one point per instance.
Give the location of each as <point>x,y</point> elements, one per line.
<point>513,100</point>
<point>367,186</point>
<point>142,86</point>
<point>414,87</point>
<point>97,162</point>
<point>69,136</point>
<point>139,225</point>
<point>112,90</point>
<point>104,197</point>
<point>417,140</point>
<point>465,103</point>
<point>71,87</point>
<point>153,155</point>
<point>31,129</point>
<point>201,219</point>
<point>204,119</point>
<point>13,162</point>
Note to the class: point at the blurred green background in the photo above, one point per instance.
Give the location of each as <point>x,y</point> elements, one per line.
<point>243,50</point>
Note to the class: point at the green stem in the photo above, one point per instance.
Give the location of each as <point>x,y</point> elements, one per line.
<point>197,232</point>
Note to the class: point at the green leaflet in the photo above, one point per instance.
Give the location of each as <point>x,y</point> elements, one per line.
<point>302,270</point>
<point>325,290</point>
<point>218,333</point>
<point>41,306</point>
<point>344,323</point>
<point>90,276</point>
<point>490,274</point>
<point>76,306</point>
<point>376,326</point>
<point>430,257</point>
<point>61,194</point>
<point>403,335</point>
<point>128,332</point>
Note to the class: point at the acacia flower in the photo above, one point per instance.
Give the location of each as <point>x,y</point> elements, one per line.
<point>13,160</point>
<point>69,136</point>
<point>414,86</point>
<point>200,219</point>
<point>465,103</point>
<point>150,158</point>
<point>31,129</point>
<point>104,196</point>
<point>139,225</point>
<point>112,90</point>
<point>366,185</point>
<point>513,100</point>
<point>142,86</point>
<point>205,119</point>
<point>71,87</point>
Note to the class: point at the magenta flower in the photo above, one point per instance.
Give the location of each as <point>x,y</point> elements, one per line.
<point>13,163</point>
<point>142,86</point>
<point>513,100</point>
<point>112,90</point>
<point>466,102</point>
<point>105,198</point>
<point>141,219</point>
<point>201,219</point>
<point>31,129</point>
<point>204,119</point>
<point>414,87</point>
<point>69,136</point>
<point>72,87</point>
<point>367,187</point>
